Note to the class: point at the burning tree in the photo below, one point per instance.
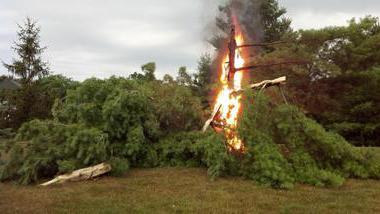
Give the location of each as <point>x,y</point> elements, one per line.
<point>280,144</point>
<point>228,103</point>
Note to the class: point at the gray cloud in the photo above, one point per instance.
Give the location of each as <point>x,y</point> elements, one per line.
<point>333,6</point>
<point>322,13</point>
<point>102,38</point>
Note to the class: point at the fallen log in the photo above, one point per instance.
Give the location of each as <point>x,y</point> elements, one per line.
<point>81,174</point>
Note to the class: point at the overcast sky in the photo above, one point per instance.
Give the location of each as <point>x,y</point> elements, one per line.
<point>99,38</point>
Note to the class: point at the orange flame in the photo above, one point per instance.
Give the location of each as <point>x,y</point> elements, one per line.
<point>231,103</point>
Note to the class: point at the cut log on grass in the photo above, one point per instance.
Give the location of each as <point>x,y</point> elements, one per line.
<point>81,174</point>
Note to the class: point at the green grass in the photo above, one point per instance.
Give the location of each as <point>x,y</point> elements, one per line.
<point>180,190</point>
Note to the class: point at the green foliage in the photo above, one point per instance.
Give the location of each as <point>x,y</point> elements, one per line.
<point>148,70</point>
<point>119,166</point>
<point>196,149</point>
<point>339,85</point>
<point>274,22</point>
<point>177,109</point>
<point>286,146</point>
<point>202,79</point>
<point>351,48</point>
<point>283,145</point>
<point>265,164</point>
<point>33,101</point>
<point>45,148</point>
<point>356,116</point>
<point>183,77</point>
<point>100,119</point>
<point>30,64</point>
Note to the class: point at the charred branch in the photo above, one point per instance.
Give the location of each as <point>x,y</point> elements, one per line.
<point>296,62</point>
<point>261,44</point>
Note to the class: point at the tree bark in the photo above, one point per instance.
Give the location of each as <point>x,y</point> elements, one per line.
<point>81,174</point>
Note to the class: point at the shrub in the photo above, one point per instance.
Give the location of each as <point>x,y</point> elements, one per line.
<point>119,166</point>
<point>284,146</point>
<point>45,148</point>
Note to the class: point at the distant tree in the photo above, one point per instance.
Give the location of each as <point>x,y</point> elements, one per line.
<point>202,79</point>
<point>352,48</point>
<point>263,20</point>
<point>203,76</point>
<point>183,77</point>
<point>27,68</point>
<point>148,69</point>
<point>29,64</point>
<point>338,87</point>
<point>168,79</point>
<point>273,21</point>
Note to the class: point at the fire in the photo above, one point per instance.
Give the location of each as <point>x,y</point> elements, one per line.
<point>230,103</point>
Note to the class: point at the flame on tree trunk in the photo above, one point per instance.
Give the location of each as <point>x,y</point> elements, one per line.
<point>228,104</point>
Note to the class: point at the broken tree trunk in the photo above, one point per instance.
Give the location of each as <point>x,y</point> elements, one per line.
<point>209,121</point>
<point>81,174</point>
<point>260,85</point>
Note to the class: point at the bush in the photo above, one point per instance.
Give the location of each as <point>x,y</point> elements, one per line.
<point>284,146</point>
<point>44,148</point>
<point>100,119</point>
<point>119,166</point>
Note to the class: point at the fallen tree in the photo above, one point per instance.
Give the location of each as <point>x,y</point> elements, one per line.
<point>81,174</point>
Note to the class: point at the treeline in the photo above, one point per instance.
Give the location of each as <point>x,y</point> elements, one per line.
<point>140,121</point>
<point>133,123</point>
<point>340,86</point>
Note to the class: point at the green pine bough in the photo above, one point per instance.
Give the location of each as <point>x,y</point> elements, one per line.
<point>117,122</point>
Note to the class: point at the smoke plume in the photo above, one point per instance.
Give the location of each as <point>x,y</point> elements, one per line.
<point>247,13</point>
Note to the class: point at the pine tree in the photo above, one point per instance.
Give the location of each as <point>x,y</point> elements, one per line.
<point>202,79</point>
<point>27,68</point>
<point>263,20</point>
<point>183,77</point>
<point>29,64</point>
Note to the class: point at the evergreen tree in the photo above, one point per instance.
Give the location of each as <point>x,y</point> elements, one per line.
<point>202,79</point>
<point>183,77</point>
<point>29,64</point>
<point>262,20</point>
<point>274,23</point>
<point>26,68</point>
<point>149,70</point>
<point>167,79</point>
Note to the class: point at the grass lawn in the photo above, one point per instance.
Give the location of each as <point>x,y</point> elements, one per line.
<point>170,190</point>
